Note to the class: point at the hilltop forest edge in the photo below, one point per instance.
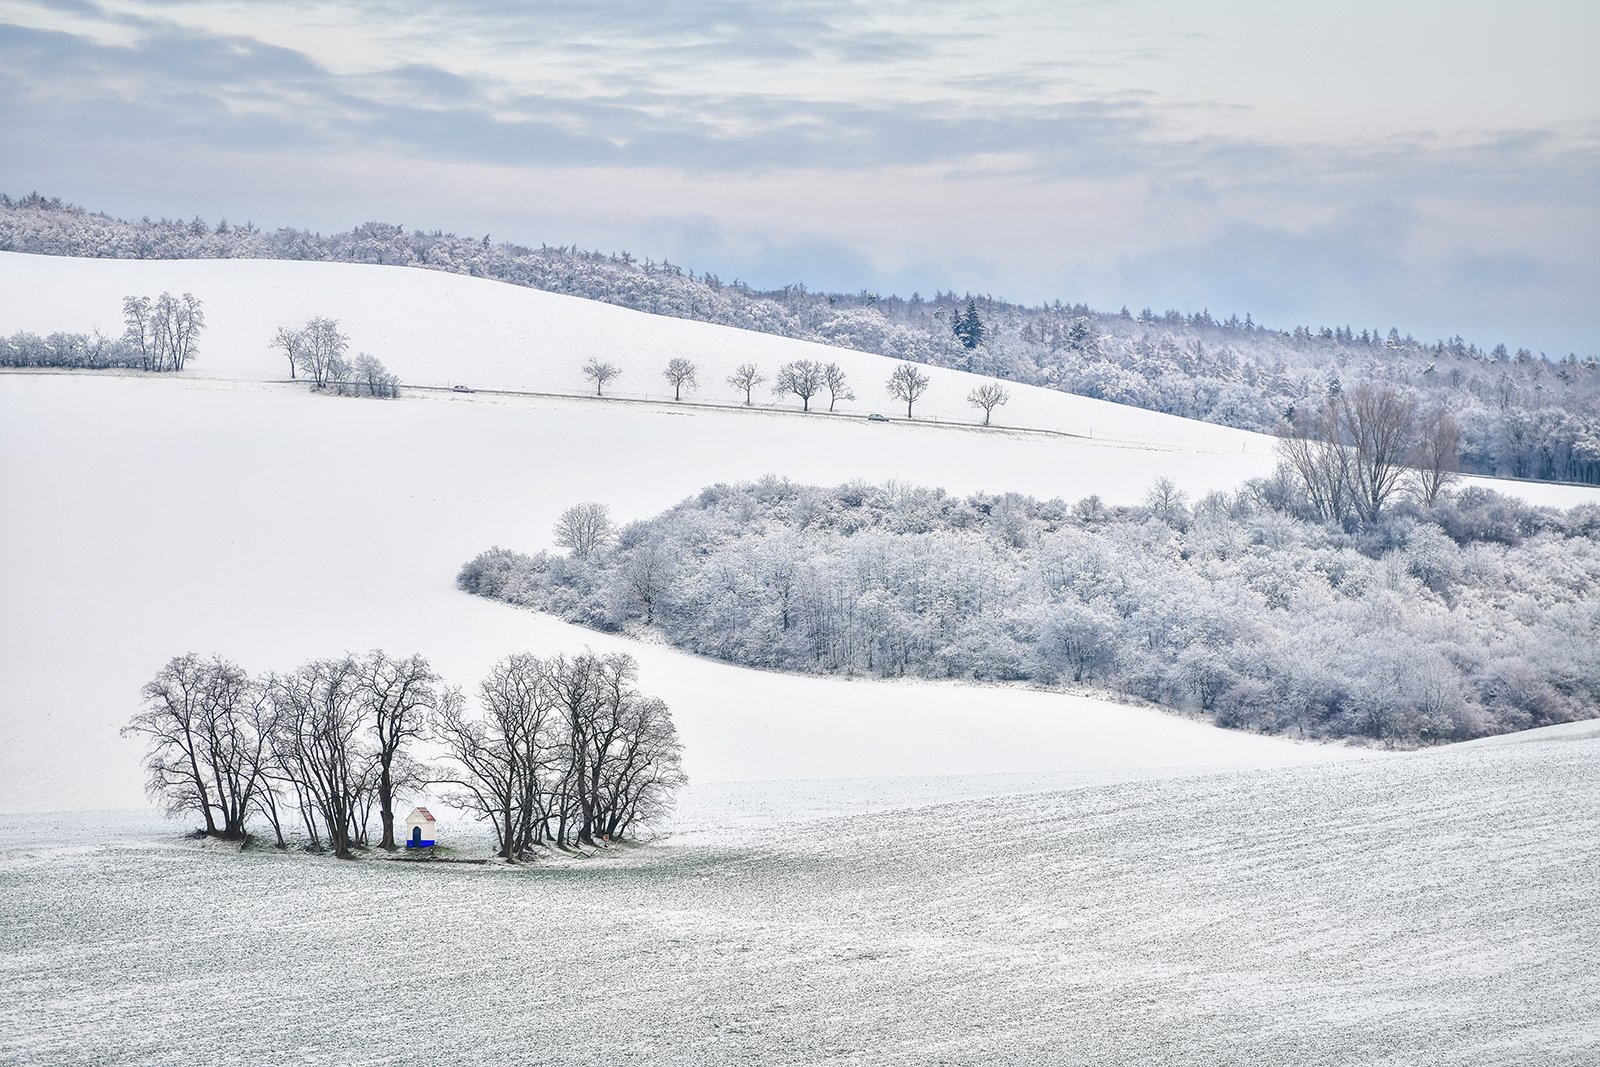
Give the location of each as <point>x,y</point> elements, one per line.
<point>1518,413</point>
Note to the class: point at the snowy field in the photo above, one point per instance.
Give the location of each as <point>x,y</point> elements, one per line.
<point>861,871</point>
<point>155,516</point>
<point>1435,908</point>
<point>438,329</point>
<point>222,512</point>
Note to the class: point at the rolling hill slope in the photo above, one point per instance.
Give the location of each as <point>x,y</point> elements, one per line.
<point>157,516</point>
<point>1432,908</point>
<point>441,330</point>
<point>445,329</point>
<point>219,512</point>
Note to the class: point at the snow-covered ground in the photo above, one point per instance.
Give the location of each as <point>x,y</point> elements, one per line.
<point>152,516</point>
<point>447,329</point>
<point>1432,908</point>
<point>218,511</point>
<point>862,871</point>
<point>436,329</point>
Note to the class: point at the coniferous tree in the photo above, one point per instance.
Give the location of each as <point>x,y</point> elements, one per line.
<point>969,328</point>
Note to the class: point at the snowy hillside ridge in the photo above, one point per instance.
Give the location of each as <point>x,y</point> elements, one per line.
<point>442,330</point>
<point>1522,415</point>
<point>311,524</point>
<point>1478,616</point>
<point>1432,908</point>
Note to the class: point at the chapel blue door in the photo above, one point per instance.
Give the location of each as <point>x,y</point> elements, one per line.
<point>416,837</point>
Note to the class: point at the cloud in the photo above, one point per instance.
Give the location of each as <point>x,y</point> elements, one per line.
<point>1316,274</point>
<point>889,146</point>
<point>183,84</point>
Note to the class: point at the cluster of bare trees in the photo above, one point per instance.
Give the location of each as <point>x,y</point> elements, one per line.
<point>1365,444</point>
<point>333,743</point>
<point>163,331</point>
<point>565,751</point>
<point>326,742</point>
<point>320,350</point>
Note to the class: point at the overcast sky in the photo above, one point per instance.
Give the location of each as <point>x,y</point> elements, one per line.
<point>1433,165</point>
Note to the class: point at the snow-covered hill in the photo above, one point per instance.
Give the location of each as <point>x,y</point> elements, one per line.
<point>1435,908</point>
<point>446,329</point>
<point>218,512</point>
<point>158,515</point>
<point>436,329</point>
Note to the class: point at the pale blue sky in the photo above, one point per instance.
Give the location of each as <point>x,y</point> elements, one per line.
<point>1432,165</point>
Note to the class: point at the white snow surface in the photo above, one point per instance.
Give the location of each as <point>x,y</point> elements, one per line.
<point>220,511</point>
<point>437,329</point>
<point>157,515</point>
<point>1435,908</point>
<point>862,871</point>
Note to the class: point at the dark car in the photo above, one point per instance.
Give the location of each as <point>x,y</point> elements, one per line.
<point>875,417</point>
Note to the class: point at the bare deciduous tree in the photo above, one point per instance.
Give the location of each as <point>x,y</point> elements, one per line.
<point>802,377</point>
<point>292,342</point>
<point>1168,503</point>
<point>601,374</point>
<point>1311,447</point>
<point>1351,455</point>
<point>322,351</point>
<point>584,528</point>
<point>907,383</point>
<point>205,752</point>
<point>1437,455</point>
<point>647,572</point>
<point>1381,424</point>
<point>396,693</point>
<point>486,760</point>
<point>140,333</point>
<point>745,376</point>
<point>838,389</point>
<point>988,397</point>
<point>320,723</point>
<point>680,373</point>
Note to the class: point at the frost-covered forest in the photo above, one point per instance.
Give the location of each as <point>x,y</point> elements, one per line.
<point>1477,615</point>
<point>160,335</point>
<point>1522,415</point>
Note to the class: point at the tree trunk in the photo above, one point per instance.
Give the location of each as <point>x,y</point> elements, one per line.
<point>386,808</point>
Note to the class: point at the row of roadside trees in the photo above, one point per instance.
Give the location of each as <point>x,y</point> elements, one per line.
<point>803,378</point>
<point>320,351</point>
<point>560,751</point>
